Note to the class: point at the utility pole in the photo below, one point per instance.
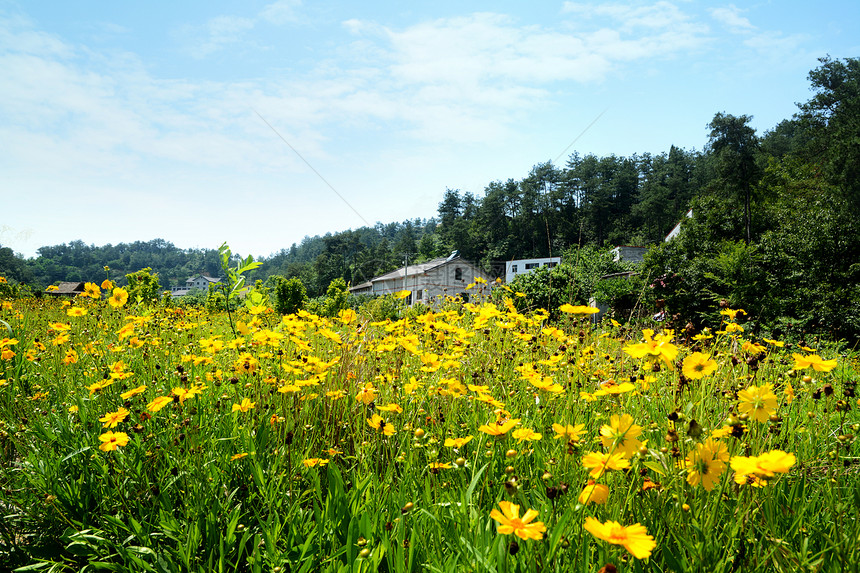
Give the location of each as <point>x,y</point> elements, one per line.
<point>406,274</point>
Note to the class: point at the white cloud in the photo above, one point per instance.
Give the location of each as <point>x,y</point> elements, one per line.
<point>730,16</point>
<point>219,32</point>
<point>280,12</point>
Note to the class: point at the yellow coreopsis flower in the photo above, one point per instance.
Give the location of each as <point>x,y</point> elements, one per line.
<point>378,423</point>
<point>578,310</point>
<point>92,290</point>
<point>112,440</point>
<point>813,360</point>
<point>133,392</point>
<point>599,462</point>
<point>112,419</point>
<point>499,428</point>
<point>706,464</point>
<point>243,406</point>
<point>634,538</point>
<point>654,347</point>
<point>619,436</point>
<point>159,403</point>
<point>758,402</point>
<point>593,493</point>
<point>698,365</point>
<point>314,462</point>
<point>569,432</point>
<point>118,298</point>
<point>457,442</point>
<point>526,434</point>
<point>763,466</point>
<point>76,311</point>
<point>511,522</point>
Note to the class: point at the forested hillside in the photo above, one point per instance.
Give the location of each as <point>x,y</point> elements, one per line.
<point>774,225</point>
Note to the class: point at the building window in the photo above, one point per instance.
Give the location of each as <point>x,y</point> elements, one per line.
<point>513,268</point>
<point>550,265</point>
<point>419,295</point>
<point>458,274</point>
<point>530,266</point>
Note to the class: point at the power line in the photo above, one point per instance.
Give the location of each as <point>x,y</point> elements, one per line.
<point>580,135</point>
<point>342,198</point>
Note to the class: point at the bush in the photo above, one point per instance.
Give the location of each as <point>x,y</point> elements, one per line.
<point>290,295</point>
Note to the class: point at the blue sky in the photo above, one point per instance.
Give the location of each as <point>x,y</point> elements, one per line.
<point>124,121</point>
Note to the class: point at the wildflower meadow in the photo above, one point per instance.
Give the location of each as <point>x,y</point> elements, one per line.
<point>458,437</point>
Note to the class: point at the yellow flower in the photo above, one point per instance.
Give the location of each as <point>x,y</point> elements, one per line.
<point>763,466</point>
<point>634,538</point>
<point>777,343</point>
<point>390,408</point>
<point>758,402</point>
<point>814,360</point>
<point>377,423</point>
<point>457,442</point>
<point>510,521</point>
<point>235,457</point>
<point>698,365</point>
<point>92,290</point>
<point>568,432</point>
<point>314,462</point>
<point>71,357</point>
<point>367,394</point>
<point>593,493</point>
<point>118,298</point>
<point>112,440</point>
<point>706,464</point>
<point>133,392</point>
<point>107,284</point>
<point>499,428</point>
<point>401,294</point>
<point>111,419</point>
<point>244,406</point>
<point>246,363</point>
<point>578,310</point>
<point>526,434</point>
<point>159,403</point>
<point>654,347</point>
<point>789,394</point>
<point>619,436</point>
<point>599,462</point>
<point>732,313</point>
<point>76,311</point>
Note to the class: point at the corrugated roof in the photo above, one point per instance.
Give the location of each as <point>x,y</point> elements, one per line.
<point>418,269</point>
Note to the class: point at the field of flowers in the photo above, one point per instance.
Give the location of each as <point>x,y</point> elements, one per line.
<point>468,437</point>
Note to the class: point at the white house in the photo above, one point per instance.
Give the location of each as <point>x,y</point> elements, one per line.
<point>525,266</point>
<point>628,254</point>
<point>426,281</point>
<point>200,282</point>
<point>676,230</point>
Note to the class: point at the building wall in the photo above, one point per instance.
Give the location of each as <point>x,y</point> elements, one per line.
<point>443,280</point>
<point>629,254</point>
<point>525,266</point>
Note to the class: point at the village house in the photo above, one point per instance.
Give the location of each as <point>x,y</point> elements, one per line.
<point>66,289</point>
<point>199,282</point>
<point>426,281</point>
<point>525,266</point>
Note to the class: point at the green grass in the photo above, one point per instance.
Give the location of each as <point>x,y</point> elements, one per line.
<point>181,497</point>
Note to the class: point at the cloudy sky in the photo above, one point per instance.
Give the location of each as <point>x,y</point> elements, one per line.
<point>259,123</point>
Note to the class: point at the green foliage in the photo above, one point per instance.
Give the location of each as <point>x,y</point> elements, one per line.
<point>573,281</point>
<point>336,297</point>
<point>143,286</point>
<point>290,295</point>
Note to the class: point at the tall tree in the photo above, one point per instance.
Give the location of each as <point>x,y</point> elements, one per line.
<point>734,147</point>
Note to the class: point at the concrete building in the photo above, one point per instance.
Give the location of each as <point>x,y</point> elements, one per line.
<point>426,281</point>
<point>525,266</point>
